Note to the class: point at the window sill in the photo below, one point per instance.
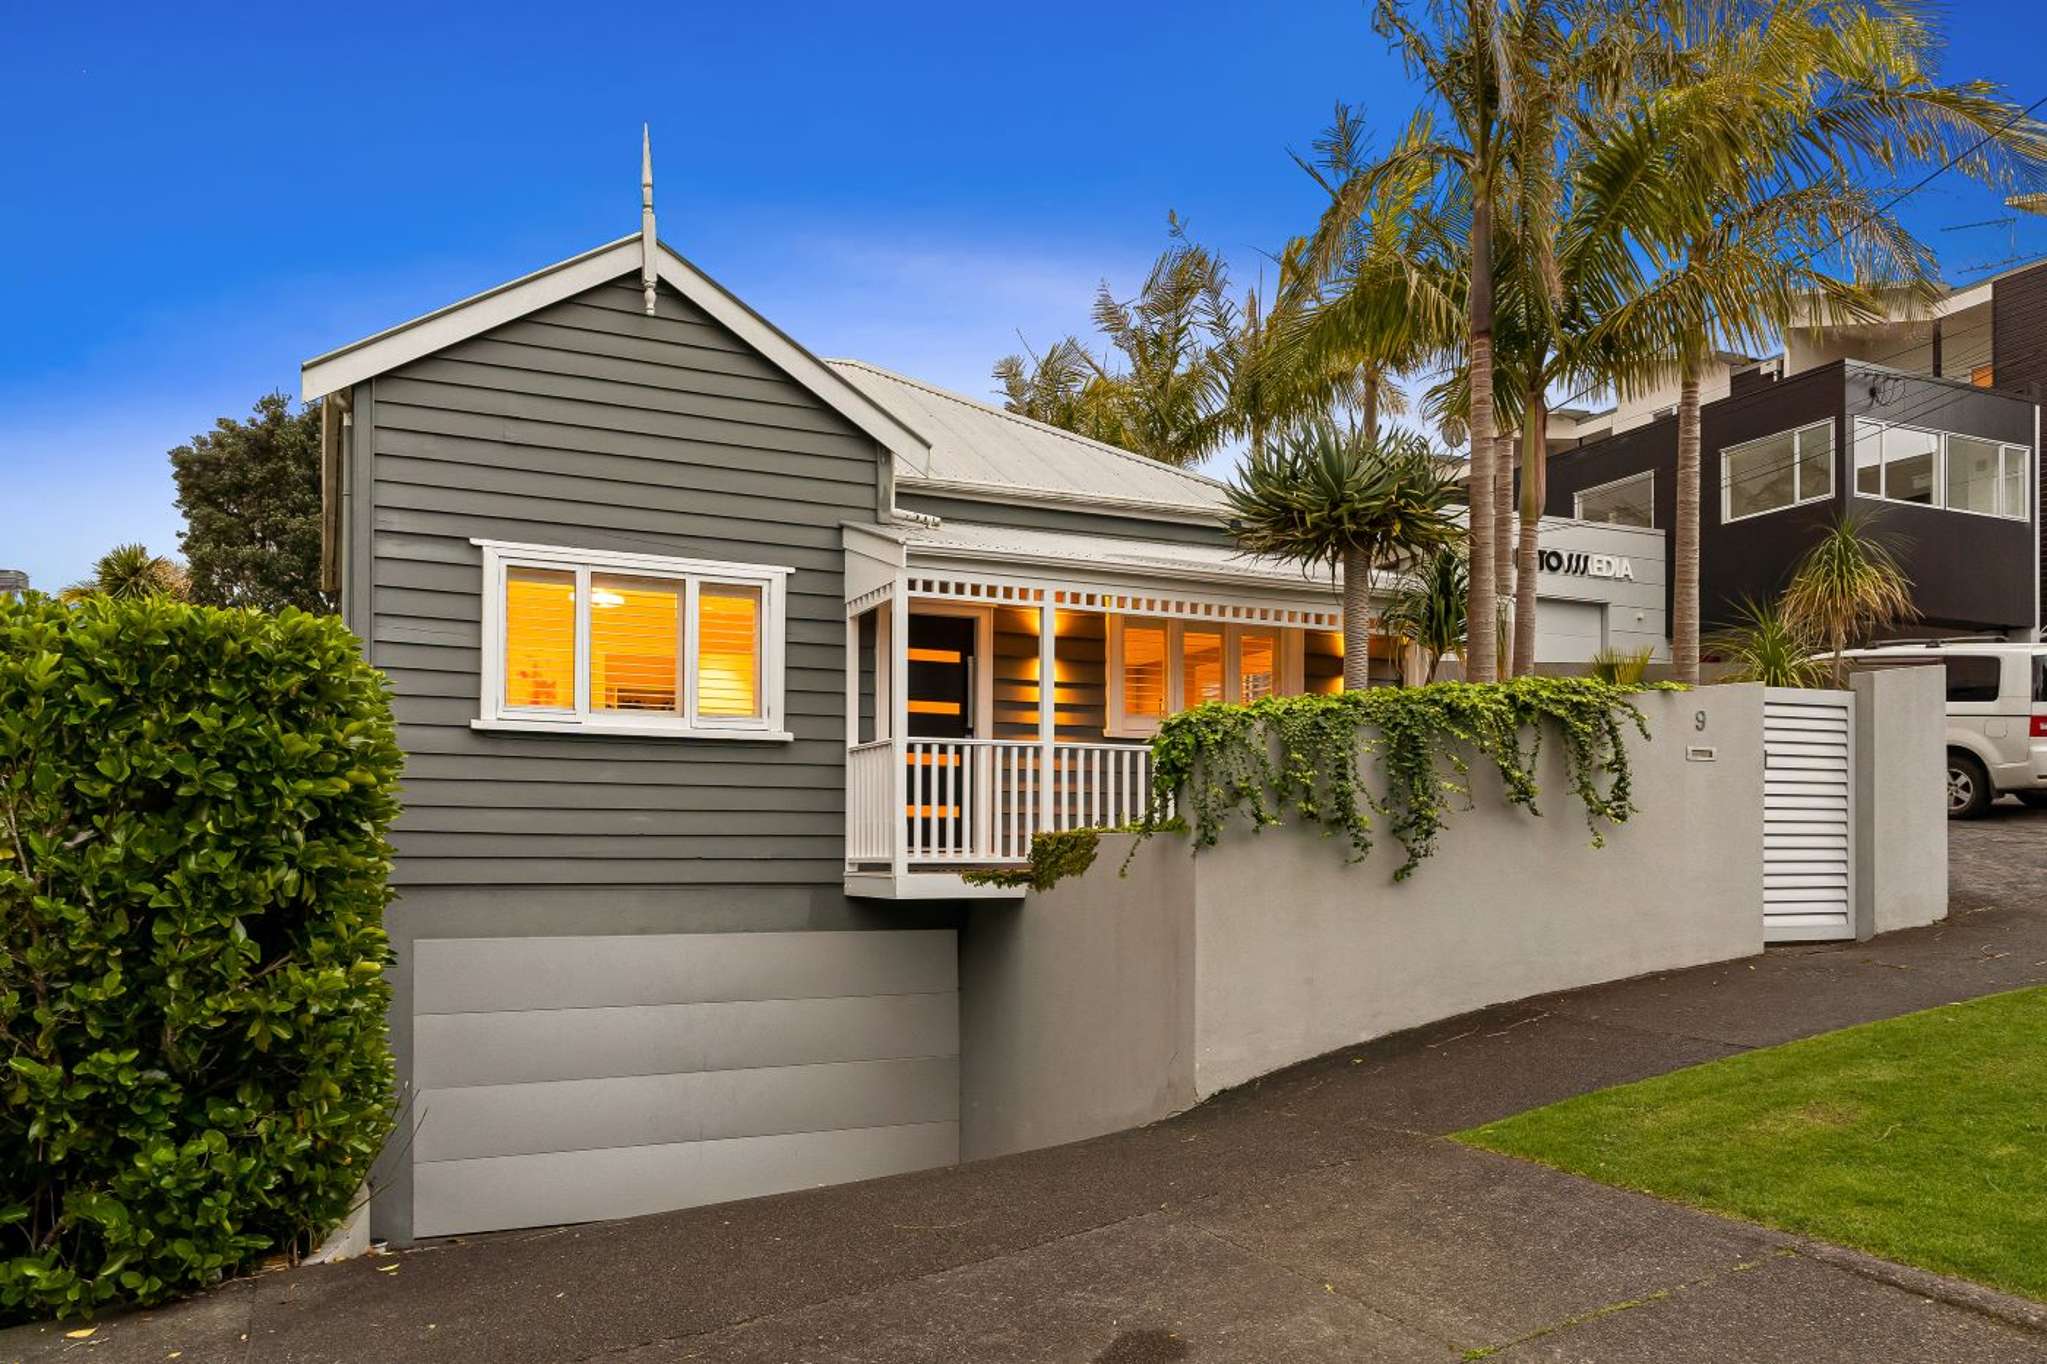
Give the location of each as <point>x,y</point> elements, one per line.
<point>629,730</point>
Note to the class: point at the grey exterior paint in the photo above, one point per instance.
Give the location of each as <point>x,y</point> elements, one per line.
<point>1189,530</point>
<point>565,1078</point>
<point>590,424</point>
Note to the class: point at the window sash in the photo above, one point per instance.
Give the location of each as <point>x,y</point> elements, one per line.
<point>764,585</point>
<point>1182,638</point>
<point>1875,455</point>
<point>1811,452</point>
<point>1647,478</point>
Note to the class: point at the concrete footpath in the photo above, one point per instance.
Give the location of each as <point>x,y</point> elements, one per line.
<point>1316,1215</point>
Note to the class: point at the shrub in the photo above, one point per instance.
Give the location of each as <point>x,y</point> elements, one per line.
<point>192,885</point>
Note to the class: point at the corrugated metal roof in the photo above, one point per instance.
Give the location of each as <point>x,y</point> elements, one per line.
<point>1158,558</point>
<point>976,446</point>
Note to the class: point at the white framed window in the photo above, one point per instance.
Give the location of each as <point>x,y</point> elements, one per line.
<point>1761,476</point>
<point>586,641</point>
<point>1159,667</point>
<point>1942,469</point>
<point>1629,501</point>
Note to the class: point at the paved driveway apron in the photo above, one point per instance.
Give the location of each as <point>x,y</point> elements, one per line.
<point>1316,1215</point>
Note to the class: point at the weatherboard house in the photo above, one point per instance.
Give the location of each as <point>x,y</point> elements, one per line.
<point>715,665</point>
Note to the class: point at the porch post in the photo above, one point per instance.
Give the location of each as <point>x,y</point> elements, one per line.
<point>892,655</point>
<point>1048,731</point>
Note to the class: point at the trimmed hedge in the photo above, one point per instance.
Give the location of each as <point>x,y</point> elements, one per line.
<point>192,886</point>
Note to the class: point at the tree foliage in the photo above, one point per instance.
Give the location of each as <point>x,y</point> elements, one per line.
<point>1176,347</point>
<point>1846,586</point>
<point>130,572</point>
<point>193,1050</point>
<point>1431,611</point>
<point>250,492</point>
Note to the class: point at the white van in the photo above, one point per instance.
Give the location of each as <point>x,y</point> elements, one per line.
<point>1996,717</point>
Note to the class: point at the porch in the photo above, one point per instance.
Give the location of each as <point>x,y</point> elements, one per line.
<point>1007,682</point>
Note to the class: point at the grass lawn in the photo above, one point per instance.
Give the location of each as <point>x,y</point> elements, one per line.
<point>1921,1139</point>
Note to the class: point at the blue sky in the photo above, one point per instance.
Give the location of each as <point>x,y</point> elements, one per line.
<point>195,199</point>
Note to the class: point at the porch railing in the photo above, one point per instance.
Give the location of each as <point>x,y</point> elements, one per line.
<point>980,801</point>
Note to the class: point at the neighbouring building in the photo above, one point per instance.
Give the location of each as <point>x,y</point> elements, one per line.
<point>13,582</point>
<point>1928,422</point>
<point>715,665</point>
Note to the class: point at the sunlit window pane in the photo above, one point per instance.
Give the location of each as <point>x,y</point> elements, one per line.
<point>1144,672</point>
<point>635,642</point>
<point>1816,462</point>
<point>2012,501</point>
<point>1972,474</point>
<point>540,639</point>
<point>1201,666</point>
<point>1909,458</point>
<point>1757,477</point>
<point>1257,666</point>
<point>728,651</point>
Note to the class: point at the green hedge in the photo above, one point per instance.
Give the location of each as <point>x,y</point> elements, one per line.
<point>192,885</point>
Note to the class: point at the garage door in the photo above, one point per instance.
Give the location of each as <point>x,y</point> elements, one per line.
<point>1569,631</point>
<point>570,1079</point>
<point>1808,806</point>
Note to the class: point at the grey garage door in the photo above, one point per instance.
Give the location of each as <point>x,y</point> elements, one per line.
<point>1569,631</point>
<point>570,1079</point>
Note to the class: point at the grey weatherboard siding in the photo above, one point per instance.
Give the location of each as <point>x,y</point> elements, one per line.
<point>590,424</point>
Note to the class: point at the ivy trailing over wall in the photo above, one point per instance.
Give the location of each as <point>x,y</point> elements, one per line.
<point>1302,756</point>
<point>1054,857</point>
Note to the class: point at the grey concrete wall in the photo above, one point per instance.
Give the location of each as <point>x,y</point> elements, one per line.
<point>1299,952</point>
<point>1900,799</point>
<point>1115,1001</point>
<point>1077,1005</point>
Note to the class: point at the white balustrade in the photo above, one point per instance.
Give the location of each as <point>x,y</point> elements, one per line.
<point>974,802</point>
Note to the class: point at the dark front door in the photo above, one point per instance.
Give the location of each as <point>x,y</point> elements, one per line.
<point>940,689</point>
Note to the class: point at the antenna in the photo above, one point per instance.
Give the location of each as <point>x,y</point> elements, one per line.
<point>647,218</point>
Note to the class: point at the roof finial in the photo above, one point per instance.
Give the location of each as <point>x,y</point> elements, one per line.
<point>647,217</point>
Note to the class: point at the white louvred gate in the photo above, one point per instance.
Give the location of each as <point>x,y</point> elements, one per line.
<point>1808,815</point>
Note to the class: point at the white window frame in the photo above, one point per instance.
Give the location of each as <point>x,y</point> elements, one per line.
<point>771,581</point>
<point>1291,665</point>
<point>1797,434</point>
<point>2005,450</point>
<point>1578,498</point>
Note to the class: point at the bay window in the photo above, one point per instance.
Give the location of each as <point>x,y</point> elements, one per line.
<point>1941,469</point>
<point>1159,667</point>
<point>591,641</point>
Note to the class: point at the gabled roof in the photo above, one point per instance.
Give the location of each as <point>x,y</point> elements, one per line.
<point>436,331</point>
<point>984,452</point>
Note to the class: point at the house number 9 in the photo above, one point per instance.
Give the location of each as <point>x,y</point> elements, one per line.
<point>1699,720</point>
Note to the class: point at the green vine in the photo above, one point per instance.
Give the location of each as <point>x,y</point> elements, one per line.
<point>1303,754</point>
<point>1054,857</point>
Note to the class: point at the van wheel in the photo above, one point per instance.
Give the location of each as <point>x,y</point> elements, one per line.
<point>1968,786</point>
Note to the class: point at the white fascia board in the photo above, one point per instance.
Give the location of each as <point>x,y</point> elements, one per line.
<point>409,341</point>
<point>1250,576</point>
<point>423,336</point>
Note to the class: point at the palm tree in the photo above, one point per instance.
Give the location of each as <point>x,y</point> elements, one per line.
<point>1176,342</point>
<point>1764,645</point>
<point>1321,494</point>
<point>128,573</point>
<point>1846,586</point>
<point>1430,612</point>
<point>1767,112</point>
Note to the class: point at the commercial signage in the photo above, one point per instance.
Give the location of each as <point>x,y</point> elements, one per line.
<point>1581,565</point>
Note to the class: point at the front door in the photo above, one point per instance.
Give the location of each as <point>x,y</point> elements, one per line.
<point>940,691</point>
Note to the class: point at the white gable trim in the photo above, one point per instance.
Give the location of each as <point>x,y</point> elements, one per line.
<point>423,336</point>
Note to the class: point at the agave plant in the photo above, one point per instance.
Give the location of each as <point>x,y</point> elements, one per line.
<point>1846,586</point>
<point>1321,494</point>
<point>1764,645</point>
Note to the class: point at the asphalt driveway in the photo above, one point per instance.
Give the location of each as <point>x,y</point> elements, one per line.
<point>1314,1215</point>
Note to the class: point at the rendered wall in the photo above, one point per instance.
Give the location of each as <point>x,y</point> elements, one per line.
<point>1900,799</point>
<point>1112,1001</point>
